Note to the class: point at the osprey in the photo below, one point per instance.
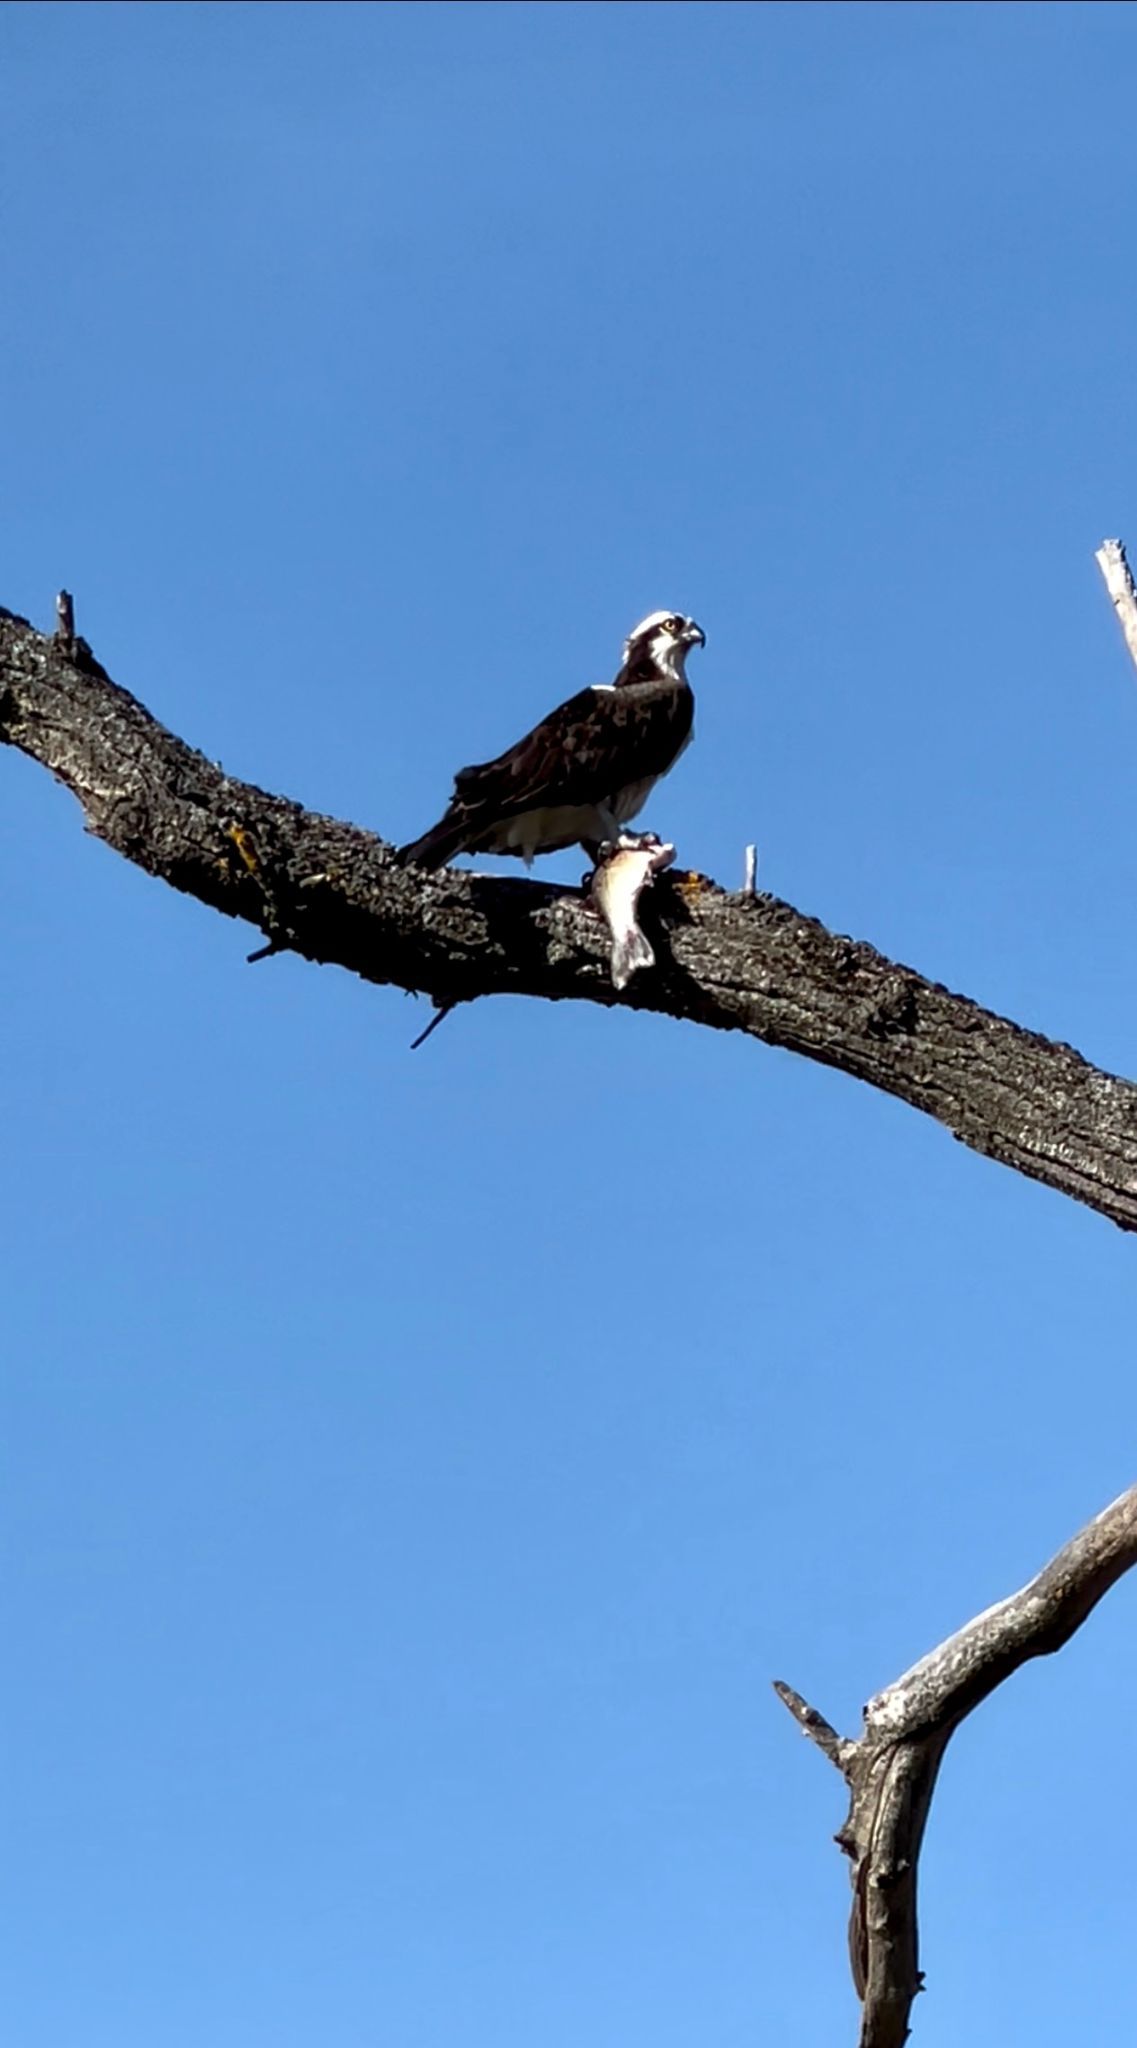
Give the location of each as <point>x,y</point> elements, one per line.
<point>587,768</point>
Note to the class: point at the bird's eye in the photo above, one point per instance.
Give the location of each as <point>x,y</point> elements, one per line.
<point>674,624</point>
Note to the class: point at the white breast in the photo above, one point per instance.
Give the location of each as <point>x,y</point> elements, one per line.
<point>547,830</point>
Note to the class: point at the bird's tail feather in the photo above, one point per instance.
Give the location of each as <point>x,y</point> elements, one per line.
<point>437,846</point>
<point>630,951</point>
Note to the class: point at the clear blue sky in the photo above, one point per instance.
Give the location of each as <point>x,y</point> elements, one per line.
<point>416,1468</point>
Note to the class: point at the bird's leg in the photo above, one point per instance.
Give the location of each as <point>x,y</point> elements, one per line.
<point>609,834</point>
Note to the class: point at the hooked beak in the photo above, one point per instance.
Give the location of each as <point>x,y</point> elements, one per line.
<point>694,636</point>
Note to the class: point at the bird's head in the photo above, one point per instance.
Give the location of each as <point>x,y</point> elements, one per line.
<point>659,646</point>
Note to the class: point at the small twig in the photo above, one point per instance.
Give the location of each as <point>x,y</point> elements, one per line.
<point>266,952</point>
<point>437,1019</point>
<point>1110,558</point>
<point>65,617</point>
<point>750,877</point>
<point>816,1727</point>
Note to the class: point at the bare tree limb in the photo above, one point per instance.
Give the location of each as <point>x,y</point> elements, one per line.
<point>1111,560</point>
<point>736,962</point>
<point>891,1770</point>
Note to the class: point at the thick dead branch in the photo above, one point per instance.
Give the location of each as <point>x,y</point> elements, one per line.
<point>738,962</point>
<point>891,1770</point>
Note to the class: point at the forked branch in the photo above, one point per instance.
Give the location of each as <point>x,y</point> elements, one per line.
<point>891,1768</point>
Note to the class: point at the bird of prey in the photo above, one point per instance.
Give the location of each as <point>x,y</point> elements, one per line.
<point>587,768</point>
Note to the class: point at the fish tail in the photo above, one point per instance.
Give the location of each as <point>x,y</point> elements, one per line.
<point>630,951</point>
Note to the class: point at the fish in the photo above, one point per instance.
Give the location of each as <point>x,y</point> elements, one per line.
<point>625,868</point>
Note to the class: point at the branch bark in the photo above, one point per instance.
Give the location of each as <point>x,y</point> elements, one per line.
<point>891,1770</point>
<point>734,961</point>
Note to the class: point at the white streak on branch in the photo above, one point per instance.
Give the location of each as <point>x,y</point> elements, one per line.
<point>1111,560</point>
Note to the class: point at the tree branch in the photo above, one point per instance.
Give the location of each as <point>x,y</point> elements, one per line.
<point>891,1771</point>
<point>1111,560</point>
<point>737,962</point>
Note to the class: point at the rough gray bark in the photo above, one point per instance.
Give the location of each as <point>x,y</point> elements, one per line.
<point>737,962</point>
<point>891,1770</point>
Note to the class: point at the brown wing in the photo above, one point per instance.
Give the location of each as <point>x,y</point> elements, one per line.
<point>583,752</point>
